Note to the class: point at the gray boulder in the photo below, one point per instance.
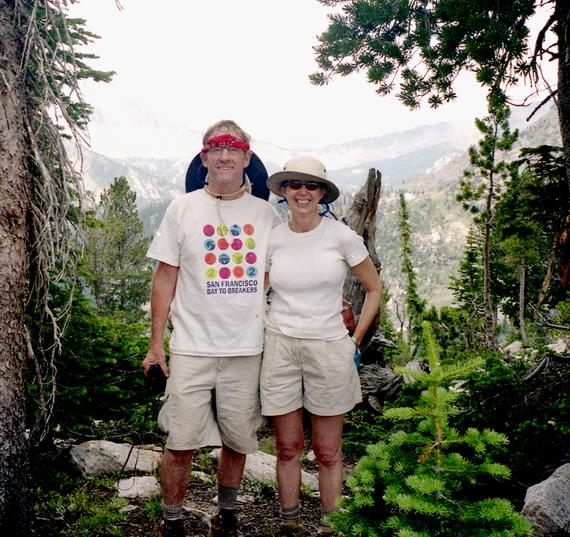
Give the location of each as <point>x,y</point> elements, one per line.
<point>260,466</point>
<point>144,486</point>
<point>101,457</point>
<point>547,504</point>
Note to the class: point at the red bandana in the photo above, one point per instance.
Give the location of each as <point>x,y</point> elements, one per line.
<point>225,140</point>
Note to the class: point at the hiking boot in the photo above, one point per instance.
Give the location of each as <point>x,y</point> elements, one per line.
<point>293,529</point>
<point>224,524</point>
<point>171,528</point>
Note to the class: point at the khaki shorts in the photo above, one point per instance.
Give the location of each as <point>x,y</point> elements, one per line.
<point>212,400</point>
<point>315,374</point>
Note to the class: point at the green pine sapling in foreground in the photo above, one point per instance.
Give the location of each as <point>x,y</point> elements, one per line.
<point>423,480</point>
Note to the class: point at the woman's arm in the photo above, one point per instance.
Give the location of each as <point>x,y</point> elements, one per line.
<point>366,274</point>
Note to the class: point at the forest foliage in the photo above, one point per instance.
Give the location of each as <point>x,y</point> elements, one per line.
<point>465,428</point>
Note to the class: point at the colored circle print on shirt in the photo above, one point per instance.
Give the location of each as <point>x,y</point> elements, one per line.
<point>222,230</point>
<point>250,258</point>
<point>223,244</point>
<point>211,273</point>
<point>208,230</point>
<point>235,230</point>
<point>225,273</point>
<point>237,244</point>
<point>210,258</point>
<point>251,271</point>
<point>224,259</point>
<point>250,243</point>
<point>238,272</point>
<point>237,258</point>
<point>248,229</point>
<point>209,244</point>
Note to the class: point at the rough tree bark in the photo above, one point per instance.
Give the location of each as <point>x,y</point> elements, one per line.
<point>562,14</point>
<point>361,217</point>
<point>15,188</point>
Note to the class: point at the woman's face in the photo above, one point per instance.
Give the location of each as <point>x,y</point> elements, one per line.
<point>303,196</point>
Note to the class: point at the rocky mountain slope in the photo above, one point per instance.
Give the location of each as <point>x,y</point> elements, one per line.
<point>439,224</point>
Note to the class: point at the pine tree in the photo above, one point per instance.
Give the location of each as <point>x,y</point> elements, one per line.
<point>115,265</point>
<point>530,218</point>
<point>40,103</point>
<point>417,50</point>
<point>414,304</point>
<point>481,186</point>
<point>423,480</point>
<point>467,286</point>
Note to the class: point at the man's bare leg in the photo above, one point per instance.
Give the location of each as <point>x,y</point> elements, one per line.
<point>230,468</point>
<point>175,475</point>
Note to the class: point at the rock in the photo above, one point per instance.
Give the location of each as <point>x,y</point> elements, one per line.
<point>260,466</point>
<point>145,486</point>
<point>558,347</point>
<point>101,457</point>
<point>202,476</point>
<point>547,504</point>
<point>413,365</point>
<point>514,348</point>
<point>128,508</point>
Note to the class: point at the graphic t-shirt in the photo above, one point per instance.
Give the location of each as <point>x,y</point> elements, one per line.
<point>307,272</point>
<point>220,248</point>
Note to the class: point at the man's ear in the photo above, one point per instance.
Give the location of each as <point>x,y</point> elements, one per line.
<point>204,159</point>
<point>247,159</point>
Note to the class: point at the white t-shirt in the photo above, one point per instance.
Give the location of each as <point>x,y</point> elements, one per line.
<point>219,303</point>
<point>307,273</point>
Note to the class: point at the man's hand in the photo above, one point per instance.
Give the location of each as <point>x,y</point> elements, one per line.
<point>156,356</point>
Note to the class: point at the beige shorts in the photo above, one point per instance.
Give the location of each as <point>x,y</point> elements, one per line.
<point>315,374</point>
<point>212,400</point>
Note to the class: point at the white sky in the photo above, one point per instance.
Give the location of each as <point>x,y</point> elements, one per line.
<point>182,65</point>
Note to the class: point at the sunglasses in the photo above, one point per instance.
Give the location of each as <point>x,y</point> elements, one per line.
<point>295,184</point>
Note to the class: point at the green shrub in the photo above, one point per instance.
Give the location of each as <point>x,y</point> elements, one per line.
<point>423,480</point>
<point>525,410</point>
<point>100,387</point>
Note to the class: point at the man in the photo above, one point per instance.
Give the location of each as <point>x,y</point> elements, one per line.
<point>211,248</point>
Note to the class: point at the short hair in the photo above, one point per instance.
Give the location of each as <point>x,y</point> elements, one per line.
<point>228,124</point>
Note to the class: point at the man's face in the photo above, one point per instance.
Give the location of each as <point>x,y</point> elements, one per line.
<point>225,165</point>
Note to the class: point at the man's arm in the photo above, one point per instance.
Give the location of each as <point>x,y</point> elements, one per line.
<point>162,294</point>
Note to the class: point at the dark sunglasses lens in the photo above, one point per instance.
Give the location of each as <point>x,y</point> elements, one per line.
<point>294,184</point>
<point>311,185</point>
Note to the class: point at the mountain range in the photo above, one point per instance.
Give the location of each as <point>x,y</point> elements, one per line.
<point>426,162</point>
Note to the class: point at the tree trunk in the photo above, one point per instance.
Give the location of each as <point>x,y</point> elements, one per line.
<point>15,190</point>
<point>563,99</point>
<point>542,293</point>
<point>522,292</point>
<point>361,217</point>
<point>487,302</point>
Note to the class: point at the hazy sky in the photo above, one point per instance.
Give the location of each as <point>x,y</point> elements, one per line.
<point>182,65</point>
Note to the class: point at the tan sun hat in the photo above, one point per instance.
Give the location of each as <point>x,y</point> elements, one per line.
<point>304,168</point>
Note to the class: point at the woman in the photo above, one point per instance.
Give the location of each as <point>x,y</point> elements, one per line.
<point>308,355</point>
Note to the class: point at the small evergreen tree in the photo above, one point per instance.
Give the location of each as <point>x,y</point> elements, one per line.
<point>423,480</point>
<point>414,304</point>
<point>115,266</point>
<point>467,286</point>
